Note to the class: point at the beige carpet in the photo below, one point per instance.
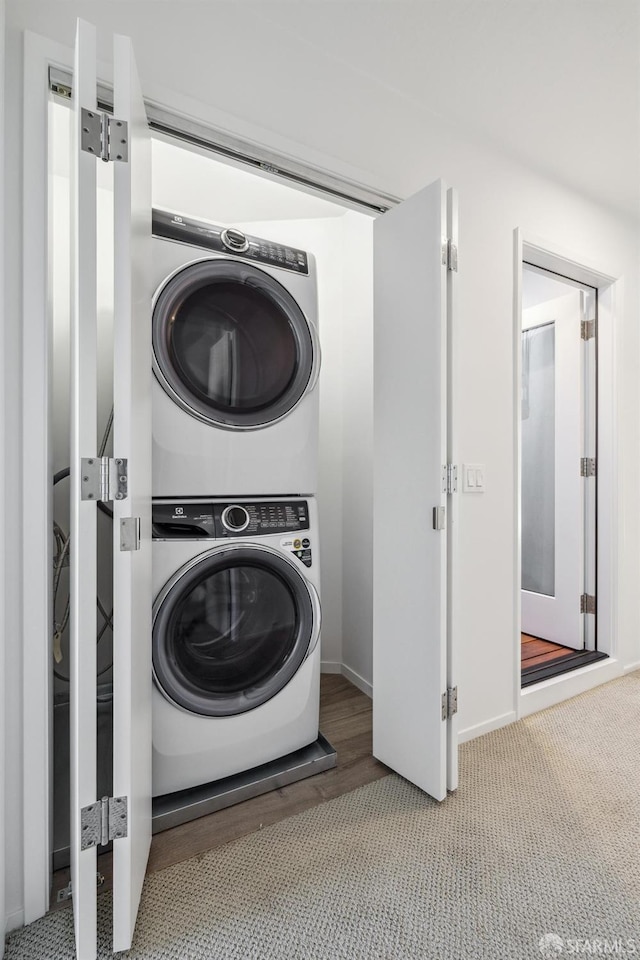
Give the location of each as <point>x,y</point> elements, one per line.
<point>541,839</point>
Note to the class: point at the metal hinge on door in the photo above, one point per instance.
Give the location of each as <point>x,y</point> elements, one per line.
<point>129,534</point>
<point>450,255</point>
<point>587,603</point>
<point>66,893</point>
<point>449,702</point>
<point>104,136</point>
<point>587,329</point>
<point>103,821</point>
<point>104,478</point>
<point>449,478</point>
<point>587,466</point>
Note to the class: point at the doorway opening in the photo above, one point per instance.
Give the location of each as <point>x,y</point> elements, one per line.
<point>192,182</point>
<point>558,478</point>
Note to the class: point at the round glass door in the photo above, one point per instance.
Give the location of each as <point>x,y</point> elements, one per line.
<point>230,631</point>
<point>231,345</point>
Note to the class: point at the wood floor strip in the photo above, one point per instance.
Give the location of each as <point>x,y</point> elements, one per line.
<point>534,651</point>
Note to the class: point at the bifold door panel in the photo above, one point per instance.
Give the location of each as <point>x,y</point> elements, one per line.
<point>127,820</point>
<point>83,525</point>
<point>412,258</point>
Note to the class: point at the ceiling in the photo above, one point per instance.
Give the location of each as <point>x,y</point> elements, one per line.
<point>552,84</point>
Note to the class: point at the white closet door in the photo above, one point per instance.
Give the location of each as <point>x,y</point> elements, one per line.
<point>131,442</point>
<point>130,153</point>
<point>410,450</point>
<point>83,557</point>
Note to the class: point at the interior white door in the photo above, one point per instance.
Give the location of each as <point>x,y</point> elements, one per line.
<point>131,442</point>
<point>83,528</point>
<point>553,511</point>
<point>410,450</point>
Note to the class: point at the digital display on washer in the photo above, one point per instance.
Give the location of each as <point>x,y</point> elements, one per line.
<point>199,233</point>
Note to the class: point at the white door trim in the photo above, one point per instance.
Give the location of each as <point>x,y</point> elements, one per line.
<point>546,254</point>
<point>3,540</point>
<point>36,481</point>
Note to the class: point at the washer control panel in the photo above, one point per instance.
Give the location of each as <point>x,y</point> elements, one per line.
<point>223,519</point>
<point>199,233</point>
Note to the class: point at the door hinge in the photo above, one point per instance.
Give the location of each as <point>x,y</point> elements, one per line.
<point>449,702</point>
<point>449,478</point>
<point>103,821</point>
<point>587,329</point>
<point>439,518</point>
<point>66,893</point>
<point>104,478</point>
<point>104,136</point>
<point>450,255</point>
<point>587,603</point>
<point>129,534</point>
<point>587,466</point>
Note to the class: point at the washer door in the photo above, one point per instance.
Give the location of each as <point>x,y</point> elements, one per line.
<point>231,345</point>
<point>231,629</point>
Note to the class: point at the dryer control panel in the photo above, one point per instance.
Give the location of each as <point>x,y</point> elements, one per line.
<point>199,233</point>
<point>222,519</point>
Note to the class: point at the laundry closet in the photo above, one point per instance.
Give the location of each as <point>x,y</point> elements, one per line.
<point>290,566</point>
<point>191,184</point>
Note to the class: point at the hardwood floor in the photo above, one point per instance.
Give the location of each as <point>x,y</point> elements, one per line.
<point>345,720</point>
<point>534,652</point>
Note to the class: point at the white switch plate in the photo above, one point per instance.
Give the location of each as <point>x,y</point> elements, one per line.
<point>473,477</point>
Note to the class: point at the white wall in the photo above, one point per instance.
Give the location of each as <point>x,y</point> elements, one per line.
<point>359,129</point>
<point>357,450</point>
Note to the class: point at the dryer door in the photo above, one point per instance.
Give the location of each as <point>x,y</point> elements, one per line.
<point>231,629</point>
<point>231,345</point>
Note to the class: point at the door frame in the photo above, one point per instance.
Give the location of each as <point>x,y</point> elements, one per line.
<point>41,53</point>
<point>547,255</point>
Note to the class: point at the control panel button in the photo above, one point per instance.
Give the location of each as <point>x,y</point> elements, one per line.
<point>234,240</point>
<point>235,517</point>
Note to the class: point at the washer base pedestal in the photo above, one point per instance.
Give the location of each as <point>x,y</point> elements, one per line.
<point>173,809</point>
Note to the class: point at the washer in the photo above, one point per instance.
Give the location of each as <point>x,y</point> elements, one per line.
<point>236,628</point>
<point>236,359</point>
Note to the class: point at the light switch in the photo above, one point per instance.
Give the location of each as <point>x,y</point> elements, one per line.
<point>473,477</point>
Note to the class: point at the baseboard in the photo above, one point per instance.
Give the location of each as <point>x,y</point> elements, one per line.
<point>14,921</point>
<point>548,693</point>
<point>630,667</point>
<point>330,666</point>
<point>479,729</point>
<point>357,680</point>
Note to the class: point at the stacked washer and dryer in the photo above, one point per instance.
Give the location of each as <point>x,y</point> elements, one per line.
<point>236,618</point>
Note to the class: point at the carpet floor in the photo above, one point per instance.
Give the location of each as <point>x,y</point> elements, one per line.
<point>538,852</point>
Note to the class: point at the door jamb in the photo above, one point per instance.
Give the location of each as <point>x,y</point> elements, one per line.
<point>546,255</point>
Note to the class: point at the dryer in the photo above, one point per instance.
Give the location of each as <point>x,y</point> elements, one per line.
<point>236,629</point>
<point>236,359</point>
